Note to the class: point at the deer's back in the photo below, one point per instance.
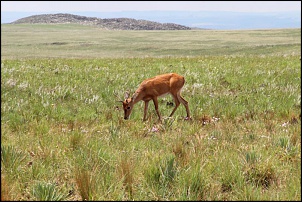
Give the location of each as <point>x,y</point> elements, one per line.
<point>162,84</point>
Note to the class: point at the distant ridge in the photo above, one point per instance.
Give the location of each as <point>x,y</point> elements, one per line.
<point>107,23</point>
<point>217,20</point>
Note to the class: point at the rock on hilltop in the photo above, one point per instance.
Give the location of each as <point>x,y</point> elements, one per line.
<point>106,23</point>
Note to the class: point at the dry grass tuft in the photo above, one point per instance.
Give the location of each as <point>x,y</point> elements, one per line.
<point>125,168</point>
<point>5,190</point>
<point>85,186</point>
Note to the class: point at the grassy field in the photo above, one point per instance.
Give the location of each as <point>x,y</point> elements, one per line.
<point>63,136</point>
<point>76,41</point>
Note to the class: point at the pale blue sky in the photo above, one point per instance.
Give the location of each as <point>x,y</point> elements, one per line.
<point>112,6</point>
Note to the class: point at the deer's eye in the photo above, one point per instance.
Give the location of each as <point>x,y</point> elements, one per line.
<point>128,107</point>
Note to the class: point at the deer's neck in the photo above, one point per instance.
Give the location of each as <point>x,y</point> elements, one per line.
<point>136,97</point>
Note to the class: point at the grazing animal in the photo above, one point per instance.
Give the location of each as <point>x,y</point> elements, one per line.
<point>152,88</point>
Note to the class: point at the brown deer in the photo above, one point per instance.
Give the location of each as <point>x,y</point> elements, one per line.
<point>152,88</point>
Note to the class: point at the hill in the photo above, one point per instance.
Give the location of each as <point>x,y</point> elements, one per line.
<point>109,23</point>
<point>217,20</point>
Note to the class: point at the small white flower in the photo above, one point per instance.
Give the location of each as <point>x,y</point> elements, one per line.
<point>84,131</point>
<point>45,104</point>
<point>23,85</point>
<point>11,82</point>
<point>285,124</point>
<point>154,129</point>
<point>215,119</point>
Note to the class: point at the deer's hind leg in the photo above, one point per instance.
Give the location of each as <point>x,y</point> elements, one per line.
<point>185,103</point>
<point>177,103</point>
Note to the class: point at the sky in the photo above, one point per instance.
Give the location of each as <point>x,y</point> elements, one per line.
<point>114,6</point>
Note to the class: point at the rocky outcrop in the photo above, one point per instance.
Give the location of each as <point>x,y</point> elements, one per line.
<point>106,23</point>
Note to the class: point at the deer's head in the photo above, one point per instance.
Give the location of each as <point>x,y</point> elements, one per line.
<point>127,106</point>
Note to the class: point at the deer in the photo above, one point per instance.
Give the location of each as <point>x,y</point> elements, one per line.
<point>151,89</point>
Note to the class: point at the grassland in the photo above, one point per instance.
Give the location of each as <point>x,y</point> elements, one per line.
<point>63,136</point>
<point>76,41</point>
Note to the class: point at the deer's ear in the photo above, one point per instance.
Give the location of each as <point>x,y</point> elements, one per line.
<point>127,95</point>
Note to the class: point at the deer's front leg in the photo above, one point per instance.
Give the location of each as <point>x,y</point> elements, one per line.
<point>146,110</point>
<point>156,107</point>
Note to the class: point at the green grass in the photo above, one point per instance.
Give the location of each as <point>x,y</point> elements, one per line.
<point>76,41</point>
<point>63,136</point>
